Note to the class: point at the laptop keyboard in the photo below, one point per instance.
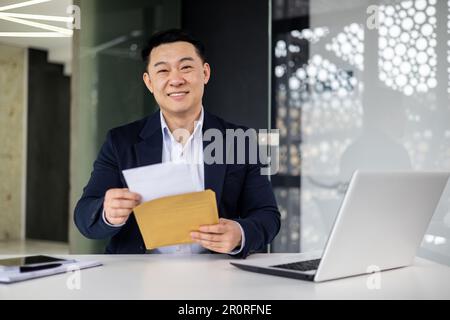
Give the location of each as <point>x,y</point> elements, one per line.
<point>300,266</point>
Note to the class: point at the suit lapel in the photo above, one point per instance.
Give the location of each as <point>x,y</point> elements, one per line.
<point>149,150</point>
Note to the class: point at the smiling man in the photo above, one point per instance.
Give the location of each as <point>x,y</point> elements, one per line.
<point>176,73</point>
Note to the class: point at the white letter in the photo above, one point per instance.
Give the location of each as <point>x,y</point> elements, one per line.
<point>75,12</point>
<point>269,149</point>
<point>374,280</point>
<point>74,280</point>
<point>372,20</point>
<point>215,147</point>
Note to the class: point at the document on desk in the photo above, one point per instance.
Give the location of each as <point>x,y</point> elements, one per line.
<point>12,276</point>
<point>171,205</point>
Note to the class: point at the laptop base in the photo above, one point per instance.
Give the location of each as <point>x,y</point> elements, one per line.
<point>275,272</point>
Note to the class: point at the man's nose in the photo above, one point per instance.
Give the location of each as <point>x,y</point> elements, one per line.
<point>176,79</point>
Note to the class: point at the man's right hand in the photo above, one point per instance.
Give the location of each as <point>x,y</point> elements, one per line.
<point>118,205</point>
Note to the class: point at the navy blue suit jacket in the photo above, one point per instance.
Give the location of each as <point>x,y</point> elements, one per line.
<point>242,193</point>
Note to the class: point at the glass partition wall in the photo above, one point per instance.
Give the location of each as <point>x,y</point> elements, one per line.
<point>357,85</point>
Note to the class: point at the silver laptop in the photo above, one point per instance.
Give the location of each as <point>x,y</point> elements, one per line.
<point>379,226</point>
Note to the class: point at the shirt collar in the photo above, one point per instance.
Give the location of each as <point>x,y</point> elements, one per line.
<point>198,125</point>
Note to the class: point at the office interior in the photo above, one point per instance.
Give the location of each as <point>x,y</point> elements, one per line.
<point>351,84</point>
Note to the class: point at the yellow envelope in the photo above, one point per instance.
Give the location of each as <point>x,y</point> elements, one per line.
<point>169,220</point>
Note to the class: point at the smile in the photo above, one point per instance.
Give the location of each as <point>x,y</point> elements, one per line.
<point>178,94</point>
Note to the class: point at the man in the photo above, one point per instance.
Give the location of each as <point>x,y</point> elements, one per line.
<point>176,74</point>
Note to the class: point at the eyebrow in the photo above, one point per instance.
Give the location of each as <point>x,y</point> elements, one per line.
<point>181,60</point>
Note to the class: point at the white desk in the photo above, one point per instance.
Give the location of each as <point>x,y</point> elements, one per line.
<point>208,276</point>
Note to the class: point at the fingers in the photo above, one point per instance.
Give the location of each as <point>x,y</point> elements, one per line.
<point>222,237</point>
<point>207,237</point>
<point>121,199</point>
<point>122,194</point>
<point>117,216</point>
<point>118,205</point>
<point>118,213</point>
<point>123,204</point>
<point>213,242</point>
<point>214,228</point>
<point>211,245</point>
<point>221,227</point>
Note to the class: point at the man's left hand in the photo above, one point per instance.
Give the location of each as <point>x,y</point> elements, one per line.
<point>223,237</point>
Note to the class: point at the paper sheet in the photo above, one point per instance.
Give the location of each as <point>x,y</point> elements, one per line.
<point>160,180</point>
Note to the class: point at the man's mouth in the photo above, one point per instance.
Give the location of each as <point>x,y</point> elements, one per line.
<point>178,94</point>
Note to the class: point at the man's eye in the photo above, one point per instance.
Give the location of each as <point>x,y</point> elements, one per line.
<point>162,70</point>
<point>186,68</point>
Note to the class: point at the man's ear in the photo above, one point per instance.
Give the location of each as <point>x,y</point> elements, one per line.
<point>148,82</point>
<point>206,72</point>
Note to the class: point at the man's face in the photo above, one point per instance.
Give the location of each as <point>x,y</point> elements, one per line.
<point>177,76</point>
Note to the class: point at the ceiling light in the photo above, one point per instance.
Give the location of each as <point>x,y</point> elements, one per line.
<point>64,31</point>
<point>36,17</point>
<point>22,4</point>
<point>33,35</point>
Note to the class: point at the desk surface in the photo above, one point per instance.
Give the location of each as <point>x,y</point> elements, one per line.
<point>206,276</point>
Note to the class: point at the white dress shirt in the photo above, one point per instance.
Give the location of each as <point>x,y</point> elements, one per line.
<point>192,153</point>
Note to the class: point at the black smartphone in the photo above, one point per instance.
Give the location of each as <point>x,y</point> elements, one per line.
<point>29,261</point>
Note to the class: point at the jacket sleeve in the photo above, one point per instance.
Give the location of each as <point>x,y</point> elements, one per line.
<point>89,209</point>
<point>260,218</point>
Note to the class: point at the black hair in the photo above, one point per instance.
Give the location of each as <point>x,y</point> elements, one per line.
<point>170,36</point>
